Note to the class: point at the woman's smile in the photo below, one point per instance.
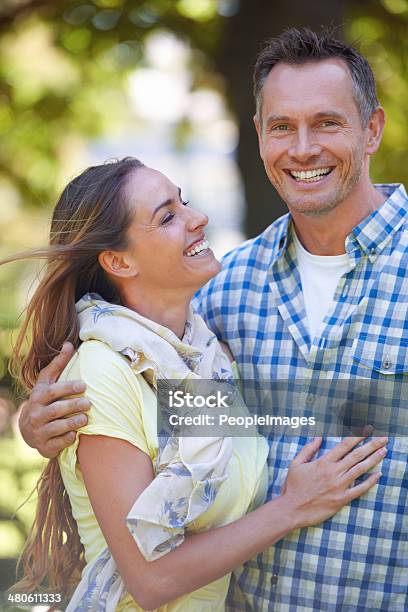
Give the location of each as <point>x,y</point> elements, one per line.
<point>200,247</point>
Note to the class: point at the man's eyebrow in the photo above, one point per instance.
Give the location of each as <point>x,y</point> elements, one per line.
<point>273,118</point>
<point>319,115</point>
<point>329,113</point>
<point>165,203</point>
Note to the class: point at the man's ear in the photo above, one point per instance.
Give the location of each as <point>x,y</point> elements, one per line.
<point>117,264</point>
<point>374,130</point>
<point>258,128</point>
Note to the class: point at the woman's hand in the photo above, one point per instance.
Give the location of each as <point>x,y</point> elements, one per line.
<point>315,490</point>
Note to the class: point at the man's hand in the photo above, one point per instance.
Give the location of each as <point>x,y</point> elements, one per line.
<point>42,423</point>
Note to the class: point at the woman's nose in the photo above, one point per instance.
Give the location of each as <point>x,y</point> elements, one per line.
<point>196,219</point>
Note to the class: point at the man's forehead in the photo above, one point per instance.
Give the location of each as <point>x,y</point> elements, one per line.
<point>319,85</point>
<point>329,68</point>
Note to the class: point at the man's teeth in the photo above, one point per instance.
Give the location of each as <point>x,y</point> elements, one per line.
<point>313,175</point>
<point>201,246</point>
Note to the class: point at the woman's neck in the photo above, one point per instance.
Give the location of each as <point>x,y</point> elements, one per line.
<point>171,313</point>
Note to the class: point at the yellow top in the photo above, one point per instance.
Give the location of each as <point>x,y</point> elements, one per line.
<point>124,406</point>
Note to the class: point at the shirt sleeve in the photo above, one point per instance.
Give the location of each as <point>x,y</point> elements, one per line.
<point>114,392</point>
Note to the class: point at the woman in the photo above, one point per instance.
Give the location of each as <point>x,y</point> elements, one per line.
<point>126,255</point>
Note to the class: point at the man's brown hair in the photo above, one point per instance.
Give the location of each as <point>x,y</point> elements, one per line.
<point>298,46</point>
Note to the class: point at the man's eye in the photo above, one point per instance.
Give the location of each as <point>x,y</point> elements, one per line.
<point>280,128</point>
<point>328,123</point>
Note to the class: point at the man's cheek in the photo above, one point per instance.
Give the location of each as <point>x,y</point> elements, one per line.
<point>277,176</point>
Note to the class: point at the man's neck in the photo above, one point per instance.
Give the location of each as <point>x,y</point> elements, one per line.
<point>326,234</point>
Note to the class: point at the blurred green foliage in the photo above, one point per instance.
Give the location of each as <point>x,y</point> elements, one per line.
<point>381,34</point>
<point>19,468</point>
<point>63,71</point>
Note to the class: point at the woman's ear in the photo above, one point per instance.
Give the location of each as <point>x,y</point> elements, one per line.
<point>117,264</point>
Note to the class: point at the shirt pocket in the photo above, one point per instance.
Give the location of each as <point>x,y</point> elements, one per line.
<point>380,383</point>
<point>382,355</point>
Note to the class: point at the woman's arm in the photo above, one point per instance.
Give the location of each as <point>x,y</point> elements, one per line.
<point>116,472</point>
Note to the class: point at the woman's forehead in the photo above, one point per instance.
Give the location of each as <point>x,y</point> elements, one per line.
<point>147,188</point>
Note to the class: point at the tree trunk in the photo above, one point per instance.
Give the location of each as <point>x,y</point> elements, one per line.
<point>256,21</point>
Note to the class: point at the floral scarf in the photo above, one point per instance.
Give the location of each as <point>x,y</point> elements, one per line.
<point>188,471</point>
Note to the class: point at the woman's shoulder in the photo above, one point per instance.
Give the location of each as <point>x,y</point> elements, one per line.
<point>96,350</point>
<point>96,363</point>
<point>120,406</point>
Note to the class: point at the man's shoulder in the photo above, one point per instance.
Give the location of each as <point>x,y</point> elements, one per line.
<point>245,266</point>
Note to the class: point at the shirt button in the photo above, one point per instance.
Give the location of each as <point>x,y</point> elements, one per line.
<point>274,580</point>
<point>345,290</point>
<point>387,363</point>
<point>310,399</point>
<point>373,251</point>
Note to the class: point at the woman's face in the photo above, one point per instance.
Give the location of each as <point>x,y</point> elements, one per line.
<point>166,237</point>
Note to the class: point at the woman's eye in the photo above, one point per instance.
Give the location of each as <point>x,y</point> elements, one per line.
<point>171,215</point>
<point>167,218</point>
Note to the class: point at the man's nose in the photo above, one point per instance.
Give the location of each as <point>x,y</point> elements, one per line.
<point>304,146</point>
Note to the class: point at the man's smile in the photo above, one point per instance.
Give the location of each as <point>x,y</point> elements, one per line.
<point>309,175</point>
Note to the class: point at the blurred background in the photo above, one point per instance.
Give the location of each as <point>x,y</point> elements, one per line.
<point>168,81</point>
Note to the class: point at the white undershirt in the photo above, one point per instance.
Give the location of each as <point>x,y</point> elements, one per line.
<point>320,276</point>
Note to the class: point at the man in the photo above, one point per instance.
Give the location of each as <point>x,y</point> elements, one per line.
<point>320,295</point>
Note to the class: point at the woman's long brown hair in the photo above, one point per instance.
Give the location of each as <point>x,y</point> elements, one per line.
<point>91,215</point>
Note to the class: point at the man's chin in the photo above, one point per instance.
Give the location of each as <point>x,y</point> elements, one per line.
<point>312,207</point>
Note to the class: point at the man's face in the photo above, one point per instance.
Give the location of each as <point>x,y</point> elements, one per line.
<point>311,140</point>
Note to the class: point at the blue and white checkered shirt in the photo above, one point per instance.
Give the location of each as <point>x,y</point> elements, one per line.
<point>358,560</point>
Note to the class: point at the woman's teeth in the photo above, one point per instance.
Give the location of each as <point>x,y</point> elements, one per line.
<point>201,246</point>
<point>310,176</point>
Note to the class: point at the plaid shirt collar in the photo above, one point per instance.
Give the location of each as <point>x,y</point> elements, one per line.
<point>371,235</point>
<point>376,230</point>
